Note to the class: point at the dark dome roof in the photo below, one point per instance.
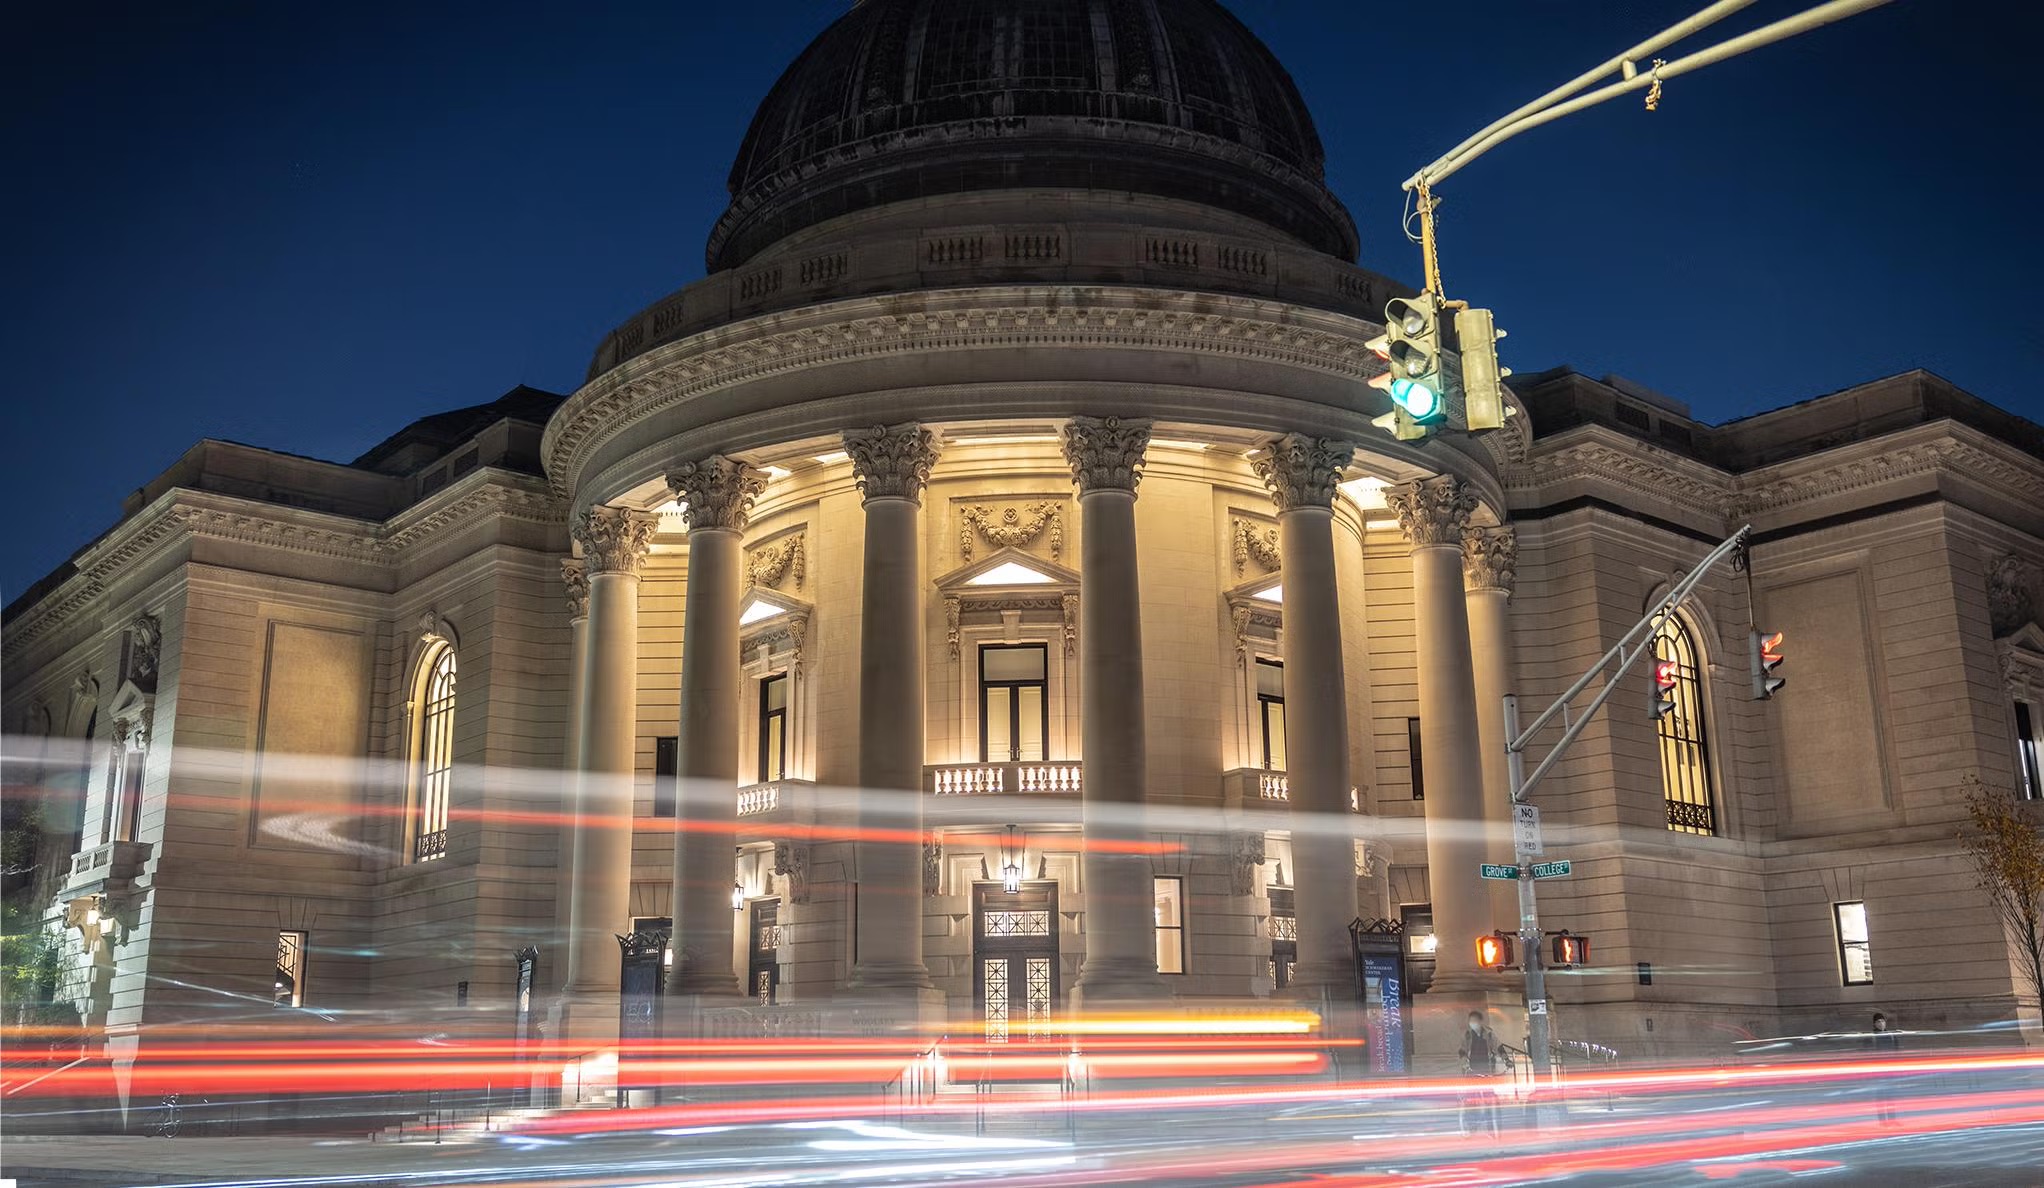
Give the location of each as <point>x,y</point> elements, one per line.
<point>909,98</point>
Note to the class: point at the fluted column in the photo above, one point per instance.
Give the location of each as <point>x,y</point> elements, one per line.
<point>614,543</point>
<point>891,465</point>
<point>1434,514</point>
<point>1302,474</point>
<point>575,577</point>
<point>1490,558</point>
<point>1106,456</point>
<point>717,495</point>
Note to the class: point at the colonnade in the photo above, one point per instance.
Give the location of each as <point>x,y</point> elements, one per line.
<point>1461,579</point>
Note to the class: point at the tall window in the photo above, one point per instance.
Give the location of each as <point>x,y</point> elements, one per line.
<point>2029,753</point>
<point>1413,757</point>
<point>773,727</point>
<point>1014,713</point>
<point>290,987</point>
<point>434,759</point>
<point>1855,946</point>
<point>1270,712</point>
<point>1685,772</point>
<point>1170,897</point>
<point>666,773</point>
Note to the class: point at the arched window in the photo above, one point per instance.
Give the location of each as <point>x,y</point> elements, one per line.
<point>1685,765</point>
<point>432,752</point>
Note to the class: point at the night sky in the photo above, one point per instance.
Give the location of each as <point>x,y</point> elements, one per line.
<point>302,226</point>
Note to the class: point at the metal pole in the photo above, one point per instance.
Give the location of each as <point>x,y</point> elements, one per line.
<point>1529,915</point>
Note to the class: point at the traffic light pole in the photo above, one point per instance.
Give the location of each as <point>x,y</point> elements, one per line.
<point>1636,644</point>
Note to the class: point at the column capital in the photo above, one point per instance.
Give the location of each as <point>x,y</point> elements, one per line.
<point>1490,558</point>
<point>1432,512</point>
<point>1302,471</point>
<point>1106,453</point>
<point>613,539</point>
<point>716,492</point>
<point>892,461</point>
<point>575,576</point>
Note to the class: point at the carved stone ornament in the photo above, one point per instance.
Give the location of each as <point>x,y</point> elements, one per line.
<point>1071,612</point>
<point>1490,559</point>
<point>1106,453</point>
<point>613,539</point>
<point>717,492</point>
<point>2010,602</point>
<point>1254,542</point>
<point>791,861</point>
<point>1246,853</point>
<point>1240,617</point>
<point>769,565</point>
<point>953,608</point>
<point>1432,511</point>
<point>1012,527</point>
<point>576,578</point>
<point>933,867</point>
<point>1302,471</point>
<point>145,650</point>
<point>892,461</point>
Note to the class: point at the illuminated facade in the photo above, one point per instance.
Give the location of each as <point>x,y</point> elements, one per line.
<point>1010,481</point>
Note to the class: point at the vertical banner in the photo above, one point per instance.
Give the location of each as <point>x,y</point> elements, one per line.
<point>1380,970</point>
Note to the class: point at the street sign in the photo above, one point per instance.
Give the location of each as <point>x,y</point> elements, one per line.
<point>1526,831</point>
<point>1490,871</point>
<point>1536,1006</point>
<point>1551,870</point>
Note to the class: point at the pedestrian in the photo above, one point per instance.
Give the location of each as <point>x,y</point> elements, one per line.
<point>1479,1053</point>
<point>1883,1042</point>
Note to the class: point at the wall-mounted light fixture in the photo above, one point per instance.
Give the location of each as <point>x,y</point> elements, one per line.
<point>738,897</point>
<point>1011,859</point>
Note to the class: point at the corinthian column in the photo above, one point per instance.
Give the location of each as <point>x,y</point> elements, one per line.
<point>891,465</point>
<point>1490,557</point>
<point>1434,514</point>
<point>602,723</point>
<point>717,494</point>
<point>1302,473</point>
<point>1106,456</point>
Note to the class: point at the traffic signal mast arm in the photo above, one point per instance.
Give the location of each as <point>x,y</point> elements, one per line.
<point>1556,103</point>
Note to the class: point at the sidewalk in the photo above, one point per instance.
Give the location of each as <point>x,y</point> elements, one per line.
<point>77,1160</point>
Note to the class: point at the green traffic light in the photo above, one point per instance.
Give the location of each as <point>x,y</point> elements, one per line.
<point>1418,400</point>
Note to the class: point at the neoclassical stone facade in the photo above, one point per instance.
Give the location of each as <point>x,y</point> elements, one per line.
<point>996,599</point>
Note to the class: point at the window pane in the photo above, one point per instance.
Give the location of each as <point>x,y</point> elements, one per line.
<point>1170,917</point>
<point>1419,784</point>
<point>1852,922</point>
<point>1024,663</point>
<point>776,692</point>
<point>2027,752</point>
<point>1859,964</point>
<point>996,706</point>
<point>1274,735</point>
<point>1685,777</point>
<point>776,748</point>
<point>1170,914</point>
<point>1029,724</point>
<point>1270,679</point>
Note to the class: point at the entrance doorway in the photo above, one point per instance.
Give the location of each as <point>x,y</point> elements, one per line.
<point>763,949</point>
<point>1014,960</point>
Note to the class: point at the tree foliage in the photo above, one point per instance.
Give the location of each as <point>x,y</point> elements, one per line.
<point>2006,844</point>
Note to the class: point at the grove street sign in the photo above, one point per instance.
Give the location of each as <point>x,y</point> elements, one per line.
<point>1490,871</point>
<point>1550,870</point>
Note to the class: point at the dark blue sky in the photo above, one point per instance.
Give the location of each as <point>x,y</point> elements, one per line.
<point>302,225</point>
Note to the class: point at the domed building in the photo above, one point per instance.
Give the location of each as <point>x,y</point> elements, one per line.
<point>985,594</point>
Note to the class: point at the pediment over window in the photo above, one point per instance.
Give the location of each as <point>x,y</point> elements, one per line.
<point>770,619</point>
<point>135,707</point>
<point>1010,582</point>
<point>1007,570</point>
<point>2021,653</point>
<point>1256,609</point>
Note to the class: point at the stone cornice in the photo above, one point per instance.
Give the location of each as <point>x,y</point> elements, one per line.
<point>1942,446</point>
<point>182,514</point>
<point>952,320</point>
<point>1596,454</point>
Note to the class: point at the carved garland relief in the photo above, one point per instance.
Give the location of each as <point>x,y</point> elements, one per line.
<point>1255,542</point>
<point>767,566</point>
<point>1012,527</point>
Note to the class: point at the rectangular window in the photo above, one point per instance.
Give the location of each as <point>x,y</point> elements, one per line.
<point>290,987</point>
<point>128,809</point>
<point>1014,710</point>
<point>2029,763</point>
<point>1170,898</point>
<point>1270,712</point>
<point>1419,781</point>
<point>773,728</point>
<point>666,768</point>
<point>1855,948</point>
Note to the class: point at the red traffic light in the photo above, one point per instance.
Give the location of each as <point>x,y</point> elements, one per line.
<point>1666,673</point>
<point>1494,951</point>
<point>1570,949</point>
<point>1767,655</point>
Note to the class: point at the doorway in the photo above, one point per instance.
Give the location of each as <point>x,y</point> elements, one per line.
<point>1014,960</point>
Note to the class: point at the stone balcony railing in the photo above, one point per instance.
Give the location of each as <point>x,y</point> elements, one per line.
<point>1260,787</point>
<point>763,806</point>
<point>1005,779</point>
<point>113,865</point>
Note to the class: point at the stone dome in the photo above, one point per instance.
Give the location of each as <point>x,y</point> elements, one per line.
<point>904,99</point>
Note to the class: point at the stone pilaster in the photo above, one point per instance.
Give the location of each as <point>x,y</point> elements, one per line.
<point>891,465</point>
<point>1302,474</point>
<point>1106,457</point>
<point>1434,515</point>
<point>1490,558</point>
<point>614,543</point>
<point>717,493</point>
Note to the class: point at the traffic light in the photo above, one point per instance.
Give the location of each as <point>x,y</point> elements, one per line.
<point>1415,375</point>
<point>1570,949</point>
<point>1765,648</point>
<point>1494,951</point>
<point>1665,677</point>
<point>1483,390</point>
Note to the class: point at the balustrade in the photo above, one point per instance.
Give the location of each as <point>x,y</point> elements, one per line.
<point>994,779</point>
